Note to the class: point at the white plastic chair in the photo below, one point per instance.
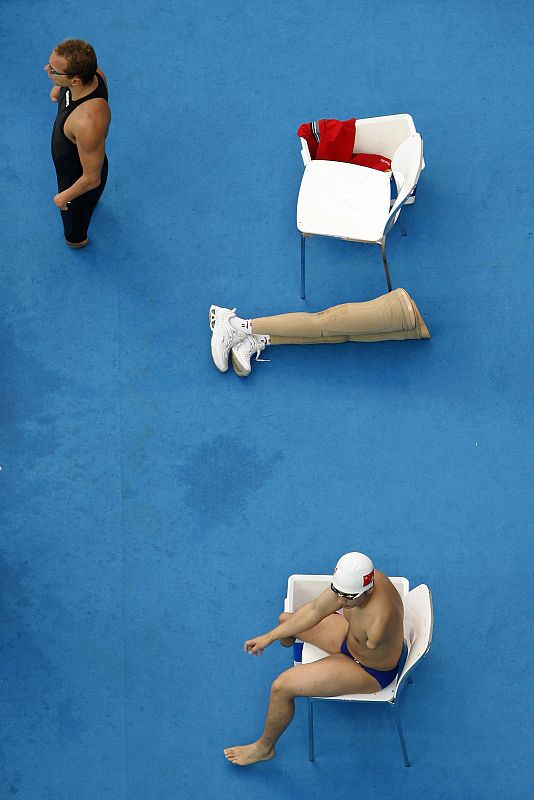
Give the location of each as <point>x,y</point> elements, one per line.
<point>418,625</point>
<point>350,202</point>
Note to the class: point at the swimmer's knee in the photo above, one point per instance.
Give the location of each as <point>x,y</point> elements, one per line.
<point>279,685</point>
<point>283,684</point>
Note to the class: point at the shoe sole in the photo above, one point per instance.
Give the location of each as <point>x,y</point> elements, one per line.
<point>237,369</point>
<point>212,320</point>
<point>212,317</point>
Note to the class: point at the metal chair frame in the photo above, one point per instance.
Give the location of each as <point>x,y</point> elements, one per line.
<point>393,704</point>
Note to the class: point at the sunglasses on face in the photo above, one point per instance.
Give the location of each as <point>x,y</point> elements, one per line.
<point>343,594</point>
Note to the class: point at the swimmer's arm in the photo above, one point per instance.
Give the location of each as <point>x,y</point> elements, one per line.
<point>306,617</point>
<point>54,93</point>
<point>375,635</point>
<point>91,144</point>
<point>90,141</point>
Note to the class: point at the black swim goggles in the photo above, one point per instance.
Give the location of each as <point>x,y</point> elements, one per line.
<point>66,74</point>
<point>344,594</point>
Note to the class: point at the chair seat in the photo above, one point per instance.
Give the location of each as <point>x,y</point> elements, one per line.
<point>310,653</point>
<point>346,201</point>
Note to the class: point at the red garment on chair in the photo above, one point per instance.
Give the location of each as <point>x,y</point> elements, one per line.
<point>333,140</point>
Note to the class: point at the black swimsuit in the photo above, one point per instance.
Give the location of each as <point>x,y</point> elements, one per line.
<point>69,168</point>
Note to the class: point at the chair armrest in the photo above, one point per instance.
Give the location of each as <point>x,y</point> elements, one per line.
<point>305,152</point>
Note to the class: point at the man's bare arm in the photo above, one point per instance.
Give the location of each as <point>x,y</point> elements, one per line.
<point>306,617</point>
<point>375,634</point>
<point>90,141</point>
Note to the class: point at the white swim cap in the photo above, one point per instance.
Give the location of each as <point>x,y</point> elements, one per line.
<point>354,574</point>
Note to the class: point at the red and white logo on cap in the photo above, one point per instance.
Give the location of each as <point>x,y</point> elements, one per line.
<point>367,579</point>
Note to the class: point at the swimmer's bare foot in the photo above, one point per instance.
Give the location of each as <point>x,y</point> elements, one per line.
<point>249,754</point>
<point>289,641</point>
<point>77,245</point>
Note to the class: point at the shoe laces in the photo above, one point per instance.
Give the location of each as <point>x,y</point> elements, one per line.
<point>258,347</point>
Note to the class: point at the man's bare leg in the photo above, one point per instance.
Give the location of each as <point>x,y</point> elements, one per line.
<point>289,642</point>
<point>332,675</point>
<point>279,714</point>
<point>328,634</point>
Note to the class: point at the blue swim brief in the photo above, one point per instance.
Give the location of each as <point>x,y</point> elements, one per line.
<point>384,677</point>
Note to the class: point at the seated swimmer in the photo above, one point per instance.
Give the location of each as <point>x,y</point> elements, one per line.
<point>365,645</point>
<point>391,316</point>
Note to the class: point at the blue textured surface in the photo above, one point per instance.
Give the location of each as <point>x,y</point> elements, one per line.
<point>154,508</point>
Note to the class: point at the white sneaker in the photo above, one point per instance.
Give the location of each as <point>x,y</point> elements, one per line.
<point>223,337</point>
<point>243,351</point>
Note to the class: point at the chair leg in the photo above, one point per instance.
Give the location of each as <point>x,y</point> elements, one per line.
<point>311,753</point>
<point>396,714</point>
<point>302,267</point>
<point>384,259</point>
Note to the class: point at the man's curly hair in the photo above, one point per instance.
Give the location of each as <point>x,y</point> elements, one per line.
<point>80,57</point>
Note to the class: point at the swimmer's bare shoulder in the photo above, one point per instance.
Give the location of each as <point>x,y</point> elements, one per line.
<point>91,119</point>
<point>387,601</point>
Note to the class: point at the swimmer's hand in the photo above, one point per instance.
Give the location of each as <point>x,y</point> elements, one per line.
<point>60,203</point>
<point>257,644</point>
<point>54,93</point>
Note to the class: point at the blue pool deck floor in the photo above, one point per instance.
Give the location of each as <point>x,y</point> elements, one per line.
<point>153,508</point>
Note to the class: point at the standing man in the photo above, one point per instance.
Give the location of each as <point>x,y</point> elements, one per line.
<point>79,135</point>
<point>365,645</point>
